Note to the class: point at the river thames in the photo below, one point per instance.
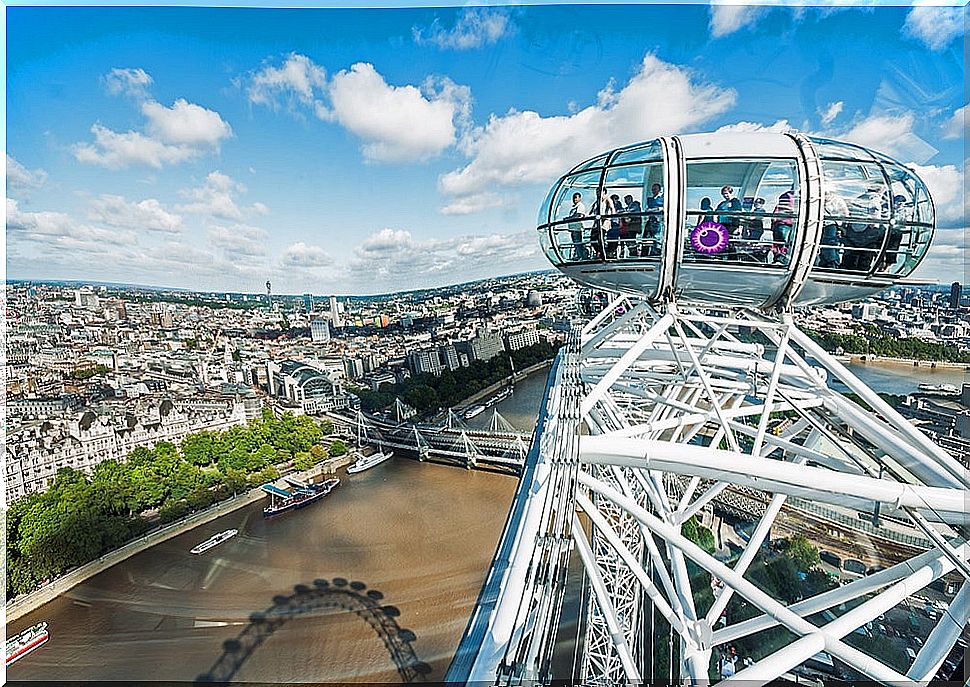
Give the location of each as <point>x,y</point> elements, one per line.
<point>418,537</point>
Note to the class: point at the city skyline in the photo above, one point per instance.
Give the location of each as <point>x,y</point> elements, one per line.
<point>366,151</point>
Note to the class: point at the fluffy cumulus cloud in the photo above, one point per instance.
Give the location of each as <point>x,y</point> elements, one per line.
<point>171,135</point>
<point>306,256</point>
<point>891,134</point>
<point>728,18</point>
<point>120,150</point>
<point>954,127</point>
<point>185,124</point>
<point>20,178</point>
<point>298,81</point>
<point>404,123</point>
<point>829,114</point>
<point>474,28</point>
<point>945,184</point>
<point>393,258</point>
<point>524,147</point>
<point>131,82</point>
<point>935,26</point>
<point>398,123</point>
<point>216,197</point>
<point>147,214</point>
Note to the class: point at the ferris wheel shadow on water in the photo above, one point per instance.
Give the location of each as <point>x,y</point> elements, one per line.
<point>354,597</point>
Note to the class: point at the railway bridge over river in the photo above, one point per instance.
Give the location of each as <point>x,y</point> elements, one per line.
<point>449,440</point>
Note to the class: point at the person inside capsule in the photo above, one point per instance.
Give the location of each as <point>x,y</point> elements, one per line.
<point>874,221</point>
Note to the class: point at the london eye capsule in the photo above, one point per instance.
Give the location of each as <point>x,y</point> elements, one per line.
<point>765,220</point>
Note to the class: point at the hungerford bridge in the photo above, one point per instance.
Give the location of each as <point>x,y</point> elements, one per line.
<point>694,381</point>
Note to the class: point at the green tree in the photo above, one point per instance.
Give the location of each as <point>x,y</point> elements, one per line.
<point>802,552</point>
<point>319,453</point>
<point>303,461</point>
<point>697,533</point>
<point>338,448</point>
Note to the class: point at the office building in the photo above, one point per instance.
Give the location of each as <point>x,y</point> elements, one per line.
<point>319,331</point>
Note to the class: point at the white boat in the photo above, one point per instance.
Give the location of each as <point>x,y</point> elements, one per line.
<point>367,462</point>
<point>215,540</point>
<point>473,411</point>
<point>948,389</point>
<point>25,642</point>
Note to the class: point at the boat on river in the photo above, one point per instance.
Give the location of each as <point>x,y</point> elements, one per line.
<point>367,462</point>
<point>282,501</point>
<point>215,540</point>
<point>473,411</point>
<point>25,642</point>
<point>941,389</point>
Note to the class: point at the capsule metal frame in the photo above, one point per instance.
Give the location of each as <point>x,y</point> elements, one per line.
<point>858,221</point>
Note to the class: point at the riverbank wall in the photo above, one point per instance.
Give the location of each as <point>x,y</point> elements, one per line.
<point>21,605</point>
<point>497,386</point>
<point>908,362</point>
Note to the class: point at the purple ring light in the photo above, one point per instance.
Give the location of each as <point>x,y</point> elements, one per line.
<point>709,238</point>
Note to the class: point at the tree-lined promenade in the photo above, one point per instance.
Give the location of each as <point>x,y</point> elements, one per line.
<point>81,516</point>
<point>428,392</point>
<point>874,342</point>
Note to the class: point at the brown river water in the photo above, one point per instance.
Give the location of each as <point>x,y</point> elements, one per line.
<point>401,549</point>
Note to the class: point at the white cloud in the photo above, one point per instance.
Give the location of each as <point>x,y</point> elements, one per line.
<point>474,28</point>
<point>935,26</point>
<point>778,127</point>
<point>20,178</point>
<point>301,255</point>
<point>185,124</point>
<point>831,112</point>
<point>119,150</point>
<point>60,230</point>
<point>890,134</point>
<point>467,205</point>
<point>525,147</point>
<point>239,240</point>
<point>398,123</point>
<point>298,81</point>
<point>217,198</point>
<point>955,126</point>
<point>946,188</point>
<point>393,258</point>
<point>171,134</point>
<point>130,82</point>
<point>147,214</point>
<point>726,19</point>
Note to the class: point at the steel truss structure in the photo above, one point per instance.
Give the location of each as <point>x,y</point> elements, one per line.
<point>657,415</point>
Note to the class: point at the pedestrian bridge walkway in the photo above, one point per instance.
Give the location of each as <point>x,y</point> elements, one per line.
<point>449,440</point>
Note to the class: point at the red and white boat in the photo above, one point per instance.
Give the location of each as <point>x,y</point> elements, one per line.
<point>26,641</point>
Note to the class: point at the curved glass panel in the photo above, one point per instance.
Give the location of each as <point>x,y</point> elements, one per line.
<point>856,211</point>
<point>903,236</point>
<point>572,232</point>
<point>924,206</point>
<point>545,242</point>
<point>650,152</point>
<point>632,219</point>
<point>741,212</point>
<point>547,204</point>
<point>829,149</point>
<point>597,161</point>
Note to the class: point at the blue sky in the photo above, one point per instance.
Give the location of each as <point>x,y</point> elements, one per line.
<point>367,150</point>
